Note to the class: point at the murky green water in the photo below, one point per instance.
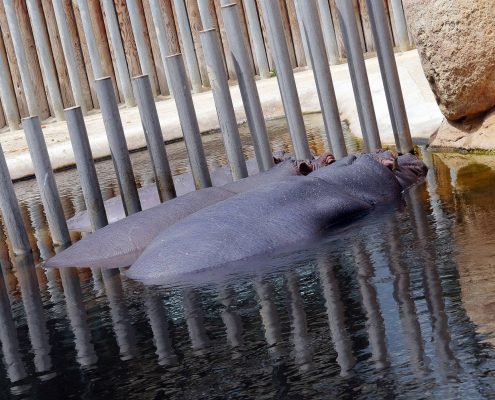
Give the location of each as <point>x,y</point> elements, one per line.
<point>398,305</point>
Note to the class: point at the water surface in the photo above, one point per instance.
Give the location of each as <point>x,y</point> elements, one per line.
<point>397,305</point>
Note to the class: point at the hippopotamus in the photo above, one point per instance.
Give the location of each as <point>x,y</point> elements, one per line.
<point>120,243</point>
<point>148,195</point>
<point>276,216</point>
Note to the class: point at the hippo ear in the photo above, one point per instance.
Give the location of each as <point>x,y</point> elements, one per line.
<point>281,156</point>
<point>325,159</point>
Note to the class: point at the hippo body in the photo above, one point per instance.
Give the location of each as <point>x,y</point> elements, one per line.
<point>271,217</point>
<point>148,195</point>
<point>119,244</point>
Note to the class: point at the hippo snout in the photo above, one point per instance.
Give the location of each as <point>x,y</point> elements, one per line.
<point>410,170</point>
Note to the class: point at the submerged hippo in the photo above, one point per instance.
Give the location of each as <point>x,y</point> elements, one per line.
<point>120,244</point>
<point>279,215</point>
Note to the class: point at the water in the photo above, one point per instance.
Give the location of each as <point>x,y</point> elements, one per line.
<point>397,305</point>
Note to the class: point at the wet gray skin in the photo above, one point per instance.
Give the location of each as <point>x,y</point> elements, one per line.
<point>148,195</point>
<point>283,213</point>
<point>119,244</point>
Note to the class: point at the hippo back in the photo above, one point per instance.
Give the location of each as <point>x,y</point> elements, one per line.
<point>257,222</point>
<point>119,244</point>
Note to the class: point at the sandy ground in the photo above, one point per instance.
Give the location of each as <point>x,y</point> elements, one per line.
<point>423,112</point>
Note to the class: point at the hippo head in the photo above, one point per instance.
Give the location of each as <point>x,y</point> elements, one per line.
<point>408,169</point>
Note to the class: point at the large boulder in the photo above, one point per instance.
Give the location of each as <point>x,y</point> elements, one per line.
<point>456,42</point>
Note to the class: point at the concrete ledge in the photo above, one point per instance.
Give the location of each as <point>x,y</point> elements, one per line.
<point>423,112</point>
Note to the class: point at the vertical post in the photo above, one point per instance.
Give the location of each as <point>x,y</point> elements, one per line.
<point>188,46</point>
<point>46,181</point>
<point>285,77</point>
<point>154,137</point>
<point>11,213</point>
<point>70,57</point>
<point>304,37</point>
<point>142,48</point>
<point>188,121</point>
<point>257,35</point>
<point>359,77</point>
<point>118,51</point>
<point>94,54</point>
<point>7,93</point>
<point>323,78</point>
<point>329,32</point>
<point>45,56</point>
<point>390,77</point>
<point>223,102</point>
<point>86,167</point>
<point>161,36</point>
<point>118,145</point>
<point>247,86</point>
<point>15,32</point>
<point>400,25</point>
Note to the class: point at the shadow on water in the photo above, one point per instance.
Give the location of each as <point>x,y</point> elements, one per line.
<point>394,306</point>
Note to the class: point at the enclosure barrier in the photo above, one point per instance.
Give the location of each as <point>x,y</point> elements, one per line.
<point>52,51</point>
<point>226,35</point>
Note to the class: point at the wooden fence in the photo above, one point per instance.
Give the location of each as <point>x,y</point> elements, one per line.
<point>49,29</point>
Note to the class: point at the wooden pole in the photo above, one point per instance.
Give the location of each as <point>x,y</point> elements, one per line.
<point>7,92</point>
<point>27,82</point>
<point>45,56</point>
<point>69,54</point>
<point>118,50</point>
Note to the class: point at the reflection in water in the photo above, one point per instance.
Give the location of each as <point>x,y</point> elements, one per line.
<point>230,317</point>
<point>35,316</point>
<point>122,328</point>
<point>375,325</point>
<point>8,338</point>
<point>76,312</point>
<point>302,341</point>
<point>269,317</point>
<point>157,316</point>
<point>411,329</point>
<point>193,313</point>
<point>336,318</point>
<point>432,286</point>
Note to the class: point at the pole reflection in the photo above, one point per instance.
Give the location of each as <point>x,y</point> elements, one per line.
<point>375,324</point>
<point>301,340</point>
<point>193,313</point>
<point>447,363</point>
<point>35,314</point>
<point>8,338</point>
<point>335,313</point>
<point>269,317</point>
<point>122,327</point>
<point>230,317</point>
<point>157,316</point>
<point>411,329</point>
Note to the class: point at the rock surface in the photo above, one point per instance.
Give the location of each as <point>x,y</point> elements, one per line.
<point>456,42</point>
<point>476,133</point>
